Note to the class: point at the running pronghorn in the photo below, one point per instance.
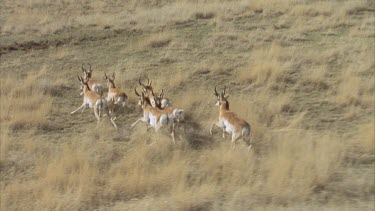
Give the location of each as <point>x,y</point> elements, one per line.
<point>93,84</point>
<point>115,96</point>
<point>153,116</point>
<point>94,101</point>
<point>230,122</point>
<point>166,105</point>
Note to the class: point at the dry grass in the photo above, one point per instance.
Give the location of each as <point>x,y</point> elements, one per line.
<point>157,40</point>
<point>316,9</point>
<point>348,91</point>
<point>316,77</point>
<point>267,67</point>
<point>24,104</point>
<point>82,173</point>
<point>366,138</point>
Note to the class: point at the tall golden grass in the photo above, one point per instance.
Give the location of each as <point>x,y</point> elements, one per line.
<point>84,174</point>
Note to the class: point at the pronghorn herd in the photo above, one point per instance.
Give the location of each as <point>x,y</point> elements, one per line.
<point>158,112</point>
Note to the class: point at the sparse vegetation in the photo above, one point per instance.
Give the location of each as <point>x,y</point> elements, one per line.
<point>300,72</point>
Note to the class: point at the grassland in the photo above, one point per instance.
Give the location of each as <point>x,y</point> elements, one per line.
<point>300,72</point>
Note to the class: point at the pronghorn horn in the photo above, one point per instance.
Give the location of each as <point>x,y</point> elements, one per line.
<point>216,92</point>
<point>162,93</point>
<point>225,87</point>
<point>148,81</point>
<point>140,83</point>
<point>113,76</point>
<point>135,90</point>
<point>90,67</point>
<point>79,78</point>
<point>105,75</point>
<point>83,69</point>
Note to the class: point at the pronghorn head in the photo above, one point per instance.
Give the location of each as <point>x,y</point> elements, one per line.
<point>139,96</point>
<point>158,100</point>
<point>84,84</point>
<point>88,73</point>
<point>148,91</point>
<point>110,80</point>
<point>142,99</point>
<point>221,98</point>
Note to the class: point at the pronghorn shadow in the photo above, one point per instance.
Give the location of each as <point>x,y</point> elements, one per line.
<point>196,136</point>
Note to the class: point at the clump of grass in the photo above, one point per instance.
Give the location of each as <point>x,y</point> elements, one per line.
<point>24,104</point>
<point>204,15</point>
<point>366,138</point>
<point>348,91</point>
<point>312,10</point>
<point>316,77</point>
<point>157,40</point>
<point>300,160</point>
<point>267,66</point>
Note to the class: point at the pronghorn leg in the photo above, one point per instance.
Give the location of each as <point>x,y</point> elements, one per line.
<point>140,119</point>
<point>247,140</point>
<point>113,113</point>
<point>136,122</point>
<point>110,118</point>
<point>83,109</point>
<point>217,124</point>
<point>113,122</point>
<point>235,137</point>
<point>82,106</point>
<point>212,127</point>
<point>97,116</point>
<point>172,133</point>
<point>177,123</point>
<point>158,126</point>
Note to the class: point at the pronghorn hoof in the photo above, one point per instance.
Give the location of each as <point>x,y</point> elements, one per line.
<point>248,149</point>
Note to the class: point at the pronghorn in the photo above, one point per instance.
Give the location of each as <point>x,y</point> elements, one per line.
<point>93,85</point>
<point>153,116</point>
<point>166,105</point>
<point>93,100</point>
<point>230,122</point>
<point>115,96</point>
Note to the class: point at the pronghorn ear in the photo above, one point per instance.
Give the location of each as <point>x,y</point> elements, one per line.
<point>105,76</point>
<point>83,69</point>
<point>79,78</point>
